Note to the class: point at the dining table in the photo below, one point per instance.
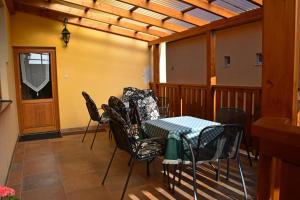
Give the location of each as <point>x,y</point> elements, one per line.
<point>172,128</point>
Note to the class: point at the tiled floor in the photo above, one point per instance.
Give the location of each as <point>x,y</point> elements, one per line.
<point>65,168</point>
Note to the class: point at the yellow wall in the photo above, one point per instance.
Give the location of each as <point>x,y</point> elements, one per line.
<point>97,62</point>
<point>8,119</point>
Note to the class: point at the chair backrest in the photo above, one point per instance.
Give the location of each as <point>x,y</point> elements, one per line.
<point>232,116</point>
<point>130,92</point>
<point>91,106</point>
<point>145,108</point>
<point>163,106</point>
<point>120,129</point>
<point>117,104</point>
<point>219,142</point>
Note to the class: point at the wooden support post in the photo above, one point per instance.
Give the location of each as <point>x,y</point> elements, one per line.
<point>280,51</point>
<point>155,57</point>
<point>211,70</point>
<point>279,86</point>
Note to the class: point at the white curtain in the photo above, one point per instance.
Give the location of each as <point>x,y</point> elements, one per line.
<point>35,70</point>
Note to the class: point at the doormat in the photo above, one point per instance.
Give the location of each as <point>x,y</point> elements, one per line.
<point>40,136</point>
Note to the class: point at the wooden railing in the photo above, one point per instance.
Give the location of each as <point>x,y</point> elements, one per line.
<point>204,102</point>
<point>243,97</point>
<point>184,99</point>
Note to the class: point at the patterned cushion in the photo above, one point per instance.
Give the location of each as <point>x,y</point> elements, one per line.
<point>150,149</point>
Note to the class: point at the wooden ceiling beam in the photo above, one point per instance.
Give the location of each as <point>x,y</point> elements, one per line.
<point>177,14</point>
<point>92,16</point>
<point>105,7</point>
<point>83,22</point>
<point>10,6</point>
<point>244,18</point>
<point>256,2</point>
<point>213,8</point>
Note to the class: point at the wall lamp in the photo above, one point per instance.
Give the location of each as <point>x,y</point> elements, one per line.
<point>65,33</point>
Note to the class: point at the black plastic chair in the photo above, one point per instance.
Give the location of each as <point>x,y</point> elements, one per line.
<point>224,146</point>
<point>140,150</point>
<point>94,116</point>
<point>163,106</point>
<point>234,116</point>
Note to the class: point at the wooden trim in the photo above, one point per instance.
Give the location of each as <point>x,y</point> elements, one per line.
<point>256,2</point>
<point>104,7</point>
<point>247,17</point>
<point>166,11</point>
<point>10,6</point>
<point>211,68</point>
<point>155,57</point>
<point>51,50</point>
<point>213,8</point>
<point>236,87</point>
<point>66,10</point>
<point>80,130</point>
<point>86,24</point>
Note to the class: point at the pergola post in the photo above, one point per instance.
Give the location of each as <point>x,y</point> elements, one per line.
<point>279,91</point>
<point>155,61</point>
<point>211,70</point>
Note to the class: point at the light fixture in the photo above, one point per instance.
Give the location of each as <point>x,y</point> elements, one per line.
<point>65,33</point>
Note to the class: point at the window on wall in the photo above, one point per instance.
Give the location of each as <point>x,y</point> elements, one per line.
<point>259,58</point>
<point>227,61</point>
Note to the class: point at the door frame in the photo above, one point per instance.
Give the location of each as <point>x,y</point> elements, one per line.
<point>16,50</point>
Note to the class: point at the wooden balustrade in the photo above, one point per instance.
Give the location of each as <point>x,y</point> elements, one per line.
<point>243,97</point>
<point>185,99</point>
<point>192,100</point>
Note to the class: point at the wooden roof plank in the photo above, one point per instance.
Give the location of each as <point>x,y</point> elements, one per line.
<point>213,8</point>
<point>93,16</point>
<point>104,7</point>
<point>247,17</point>
<point>82,23</point>
<point>256,2</point>
<point>10,6</point>
<point>177,14</point>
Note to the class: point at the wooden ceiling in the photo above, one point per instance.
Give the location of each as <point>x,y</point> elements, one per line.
<point>147,20</point>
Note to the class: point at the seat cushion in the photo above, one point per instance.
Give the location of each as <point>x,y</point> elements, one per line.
<point>150,149</point>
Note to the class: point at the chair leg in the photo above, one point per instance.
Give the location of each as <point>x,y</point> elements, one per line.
<point>242,177</point>
<point>228,167</point>
<point>180,174</point>
<point>194,177</point>
<point>168,177</point>
<point>129,161</point>
<point>127,180</point>
<point>248,152</point>
<point>174,176</point>
<point>164,169</point>
<point>113,155</point>
<point>94,136</point>
<point>86,130</point>
<point>109,134</point>
<point>218,170</point>
<point>148,168</point>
